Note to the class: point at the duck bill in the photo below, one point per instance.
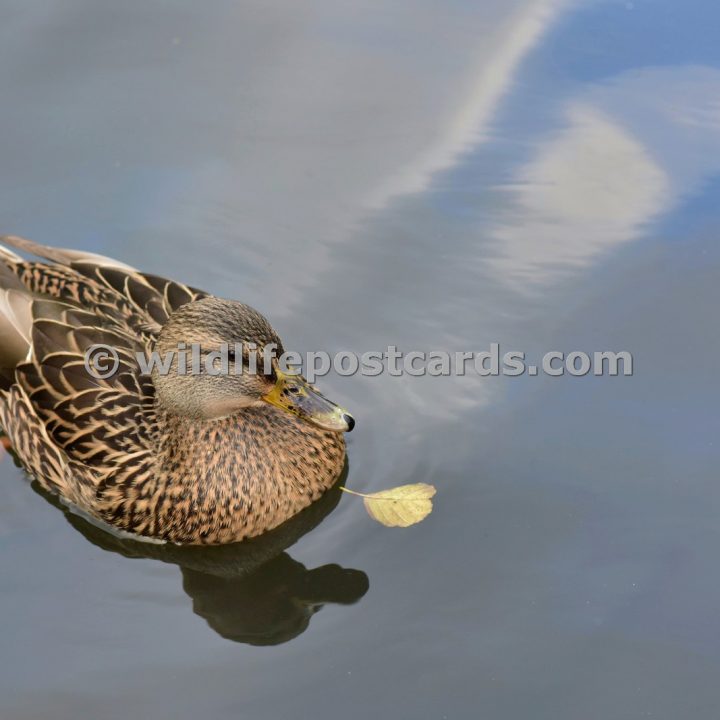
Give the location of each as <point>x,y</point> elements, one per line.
<point>293,394</point>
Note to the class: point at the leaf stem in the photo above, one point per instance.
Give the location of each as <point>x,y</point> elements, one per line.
<point>353,492</point>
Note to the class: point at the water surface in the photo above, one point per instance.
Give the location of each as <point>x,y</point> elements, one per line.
<point>432,175</point>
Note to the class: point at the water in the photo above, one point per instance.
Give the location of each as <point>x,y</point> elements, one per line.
<point>435,175</point>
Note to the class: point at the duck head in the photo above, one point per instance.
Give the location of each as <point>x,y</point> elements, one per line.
<point>215,357</point>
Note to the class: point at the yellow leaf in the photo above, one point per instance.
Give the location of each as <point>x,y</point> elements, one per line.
<point>400,506</point>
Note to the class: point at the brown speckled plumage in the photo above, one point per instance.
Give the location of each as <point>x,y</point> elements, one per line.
<point>113,447</point>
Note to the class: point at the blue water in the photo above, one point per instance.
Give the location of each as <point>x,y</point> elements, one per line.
<point>431,175</point>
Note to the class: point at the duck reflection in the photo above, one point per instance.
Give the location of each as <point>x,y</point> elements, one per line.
<point>250,592</point>
<point>275,603</point>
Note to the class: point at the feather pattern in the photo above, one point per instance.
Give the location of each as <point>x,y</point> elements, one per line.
<point>107,445</point>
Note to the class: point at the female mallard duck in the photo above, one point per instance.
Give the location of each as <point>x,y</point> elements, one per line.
<point>184,457</point>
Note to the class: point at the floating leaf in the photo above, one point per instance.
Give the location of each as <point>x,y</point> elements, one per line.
<point>400,506</point>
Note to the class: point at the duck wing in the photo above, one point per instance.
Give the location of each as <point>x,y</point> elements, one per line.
<point>107,286</point>
<point>72,429</point>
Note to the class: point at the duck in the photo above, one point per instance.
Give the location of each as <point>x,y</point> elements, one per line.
<point>146,450</point>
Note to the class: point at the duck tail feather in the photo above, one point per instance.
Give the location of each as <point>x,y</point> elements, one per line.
<point>61,255</point>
